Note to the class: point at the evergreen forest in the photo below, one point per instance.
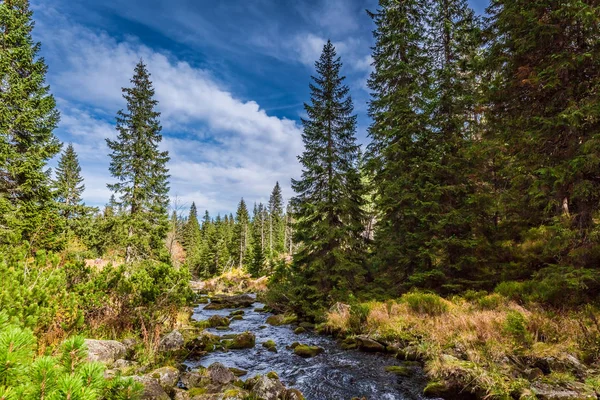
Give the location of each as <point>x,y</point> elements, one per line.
<point>463,235</point>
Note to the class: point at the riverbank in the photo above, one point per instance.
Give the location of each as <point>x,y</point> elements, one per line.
<point>483,345</point>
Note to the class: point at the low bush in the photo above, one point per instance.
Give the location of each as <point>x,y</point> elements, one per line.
<point>425,303</point>
<point>64,376</point>
<point>56,301</point>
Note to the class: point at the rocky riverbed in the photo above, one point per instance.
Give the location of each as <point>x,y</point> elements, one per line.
<point>251,342</point>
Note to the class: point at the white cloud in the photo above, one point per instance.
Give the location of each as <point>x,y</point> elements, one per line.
<point>222,148</point>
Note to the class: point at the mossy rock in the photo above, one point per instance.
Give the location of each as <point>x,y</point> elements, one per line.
<point>290,319</point>
<point>244,340</point>
<point>262,327</point>
<point>202,300</point>
<point>272,375</point>
<point>307,325</point>
<point>197,391</point>
<point>293,345</point>
<point>236,312</point>
<point>436,389</point>
<point>222,328</point>
<point>217,321</point>
<point>275,320</point>
<point>293,394</point>
<point>299,330</point>
<point>237,318</point>
<point>399,370</point>
<point>238,372</point>
<point>270,345</point>
<point>349,344</point>
<point>307,351</point>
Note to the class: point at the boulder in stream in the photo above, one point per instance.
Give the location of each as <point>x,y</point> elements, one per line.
<point>293,394</point>
<point>220,302</point>
<point>217,320</point>
<point>306,351</point>
<point>367,344</point>
<point>245,340</point>
<point>270,345</point>
<point>220,374</point>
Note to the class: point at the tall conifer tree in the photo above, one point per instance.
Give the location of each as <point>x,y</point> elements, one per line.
<point>397,153</point>
<point>543,65</point>
<point>192,238</point>
<point>241,235</point>
<point>328,196</point>
<point>275,221</point>
<point>140,168</point>
<point>28,116</point>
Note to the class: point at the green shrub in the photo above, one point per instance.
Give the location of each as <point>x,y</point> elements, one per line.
<point>359,312</point>
<point>490,302</point>
<point>516,327</point>
<point>65,376</point>
<point>57,301</point>
<point>473,295</point>
<point>425,303</point>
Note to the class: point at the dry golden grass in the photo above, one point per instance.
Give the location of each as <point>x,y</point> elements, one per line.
<point>475,344</point>
<point>234,280</point>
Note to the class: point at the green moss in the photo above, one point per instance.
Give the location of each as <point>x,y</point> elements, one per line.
<point>435,389</point>
<point>594,383</point>
<point>197,391</point>
<point>559,378</point>
<point>244,340</point>
<point>272,375</point>
<point>307,351</point>
<point>299,330</point>
<point>270,345</point>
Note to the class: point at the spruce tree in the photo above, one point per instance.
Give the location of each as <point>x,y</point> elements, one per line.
<point>329,218</point>
<point>258,257</point>
<point>140,168</point>
<point>275,221</point>
<point>241,235</point>
<point>222,257</point>
<point>397,154</point>
<point>446,203</point>
<point>192,238</point>
<point>543,68</point>
<point>28,116</point>
<point>68,184</point>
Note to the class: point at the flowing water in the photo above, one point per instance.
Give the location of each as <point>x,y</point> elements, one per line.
<point>334,374</point>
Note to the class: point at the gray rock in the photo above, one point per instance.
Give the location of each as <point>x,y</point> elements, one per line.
<point>367,344</point>
<point>167,377</point>
<point>293,394</point>
<point>575,391</point>
<point>268,389</point>
<point>105,351</point>
<point>193,379</point>
<point>174,341</point>
<point>129,343</point>
<point>152,389</point>
<point>220,374</point>
<point>533,373</point>
<point>180,394</point>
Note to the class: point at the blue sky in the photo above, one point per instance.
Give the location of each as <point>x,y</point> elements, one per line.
<point>230,76</point>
